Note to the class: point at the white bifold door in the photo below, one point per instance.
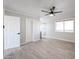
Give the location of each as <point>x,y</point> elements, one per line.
<point>11,32</point>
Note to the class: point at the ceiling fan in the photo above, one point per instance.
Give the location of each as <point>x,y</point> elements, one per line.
<point>51,12</point>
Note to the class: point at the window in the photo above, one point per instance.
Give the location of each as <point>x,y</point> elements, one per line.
<point>69,26</point>
<point>65,26</point>
<point>59,26</point>
<point>43,27</point>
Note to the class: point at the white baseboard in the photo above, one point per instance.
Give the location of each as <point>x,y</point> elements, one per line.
<point>60,39</point>
<point>65,40</point>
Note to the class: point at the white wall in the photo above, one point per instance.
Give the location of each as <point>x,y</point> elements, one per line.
<point>57,35</point>
<point>36,29</point>
<point>46,32</point>
<point>32,29</point>
<point>23,29</point>
<point>66,36</point>
<point>29,27</point>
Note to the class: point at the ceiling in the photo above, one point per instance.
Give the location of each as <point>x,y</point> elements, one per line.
<point>33,7</point>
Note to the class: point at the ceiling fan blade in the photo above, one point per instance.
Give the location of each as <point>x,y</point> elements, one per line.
<point>53,8</point>
<point>44,11</point>
<point>47,14</point>
<point>58,12</point>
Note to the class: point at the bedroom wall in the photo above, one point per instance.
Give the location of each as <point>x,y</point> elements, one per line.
<point>36,29</point>
<point>66,36</point>
<point>23,29</point>
<point>68,11</point>
<point>29,27</point>
<point>32,29</point>
<point>52,34</point>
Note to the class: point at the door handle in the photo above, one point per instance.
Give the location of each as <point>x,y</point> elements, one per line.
<point>18,33</point>
<point>3,26</point>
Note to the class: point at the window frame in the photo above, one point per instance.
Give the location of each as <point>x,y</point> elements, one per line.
<point>59,30</point>
<point>64,26</point>
<point>72,29</point>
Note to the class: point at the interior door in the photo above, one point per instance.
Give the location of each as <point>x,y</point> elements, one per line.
<point>43,30</point>
<point>11,32</point>
<point>28,30</point>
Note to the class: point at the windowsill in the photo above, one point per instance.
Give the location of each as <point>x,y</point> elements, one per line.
<point>65,32</point>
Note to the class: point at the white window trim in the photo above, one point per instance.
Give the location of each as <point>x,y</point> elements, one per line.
<point>64,25</point>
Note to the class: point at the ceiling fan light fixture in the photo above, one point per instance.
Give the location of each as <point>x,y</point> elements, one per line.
<point>51,15</point>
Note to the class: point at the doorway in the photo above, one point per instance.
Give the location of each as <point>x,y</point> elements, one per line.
<point>11,32</point>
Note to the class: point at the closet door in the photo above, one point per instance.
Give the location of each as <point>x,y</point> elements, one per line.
<point>32,29</point>
<point>29,30</point>
<point>36,29</point>
<point>11,32</point>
